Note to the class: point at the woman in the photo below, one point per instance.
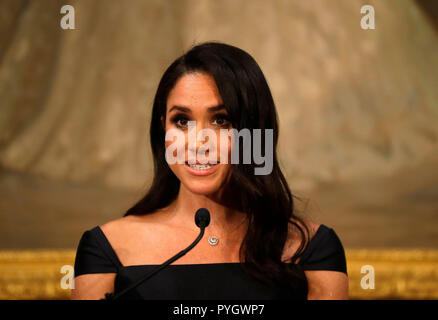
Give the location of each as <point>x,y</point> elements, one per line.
<point>256,246</point>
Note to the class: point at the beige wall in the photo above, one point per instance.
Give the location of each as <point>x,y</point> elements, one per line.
<point>75,104</point>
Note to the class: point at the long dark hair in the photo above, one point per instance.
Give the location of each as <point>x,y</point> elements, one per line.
<point>266,199</point>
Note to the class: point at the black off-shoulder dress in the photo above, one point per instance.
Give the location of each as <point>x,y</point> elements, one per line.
<point>205,281</point>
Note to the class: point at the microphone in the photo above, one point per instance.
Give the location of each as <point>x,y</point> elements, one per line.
<point>202,220</point>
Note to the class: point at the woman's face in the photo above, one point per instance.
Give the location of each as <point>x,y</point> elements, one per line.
<point>195,97</point>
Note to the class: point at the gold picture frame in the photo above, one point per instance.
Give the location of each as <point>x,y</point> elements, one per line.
<point>396,274</point>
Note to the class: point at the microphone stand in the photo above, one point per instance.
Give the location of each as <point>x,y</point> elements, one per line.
<point>111,296</point>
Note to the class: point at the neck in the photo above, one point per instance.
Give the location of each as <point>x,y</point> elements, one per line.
<point>225,221</point>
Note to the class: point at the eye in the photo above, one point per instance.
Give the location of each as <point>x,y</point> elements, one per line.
<point>221,120</point>
<point>180,121</point>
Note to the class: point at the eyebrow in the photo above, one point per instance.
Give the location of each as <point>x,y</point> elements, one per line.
<point>187,110</point>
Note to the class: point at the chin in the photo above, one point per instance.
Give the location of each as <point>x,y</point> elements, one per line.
<point>202,188</point>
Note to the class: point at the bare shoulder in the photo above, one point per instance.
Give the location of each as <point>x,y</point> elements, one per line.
<point>305,225</point>
<point>322,284</point>
<point>133,237</point>
<point>295,236</point>
<point>132,223</point>
<point>121,224</point>
<point>120,231</point>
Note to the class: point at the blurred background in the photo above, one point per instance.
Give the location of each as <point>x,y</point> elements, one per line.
<point>358,113</point>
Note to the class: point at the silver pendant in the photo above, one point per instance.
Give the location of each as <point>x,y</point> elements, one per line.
<point>213,240</point>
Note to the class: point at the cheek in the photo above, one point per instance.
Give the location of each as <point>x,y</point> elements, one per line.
<point>224,152</point>
<point>175,147</point>
<point>223,148</point>
<point>229,150</point>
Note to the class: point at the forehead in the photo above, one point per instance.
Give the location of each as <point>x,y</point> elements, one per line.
<point>194,90</point>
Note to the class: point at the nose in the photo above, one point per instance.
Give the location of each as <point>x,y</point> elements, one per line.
<point>197,138</point>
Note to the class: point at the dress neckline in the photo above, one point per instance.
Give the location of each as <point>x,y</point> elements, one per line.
<point>318,232</point>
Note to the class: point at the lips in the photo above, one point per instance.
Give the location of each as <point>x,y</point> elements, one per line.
<point>201,169</point>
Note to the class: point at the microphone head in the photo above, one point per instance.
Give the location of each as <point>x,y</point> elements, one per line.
<point>202,218</point>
